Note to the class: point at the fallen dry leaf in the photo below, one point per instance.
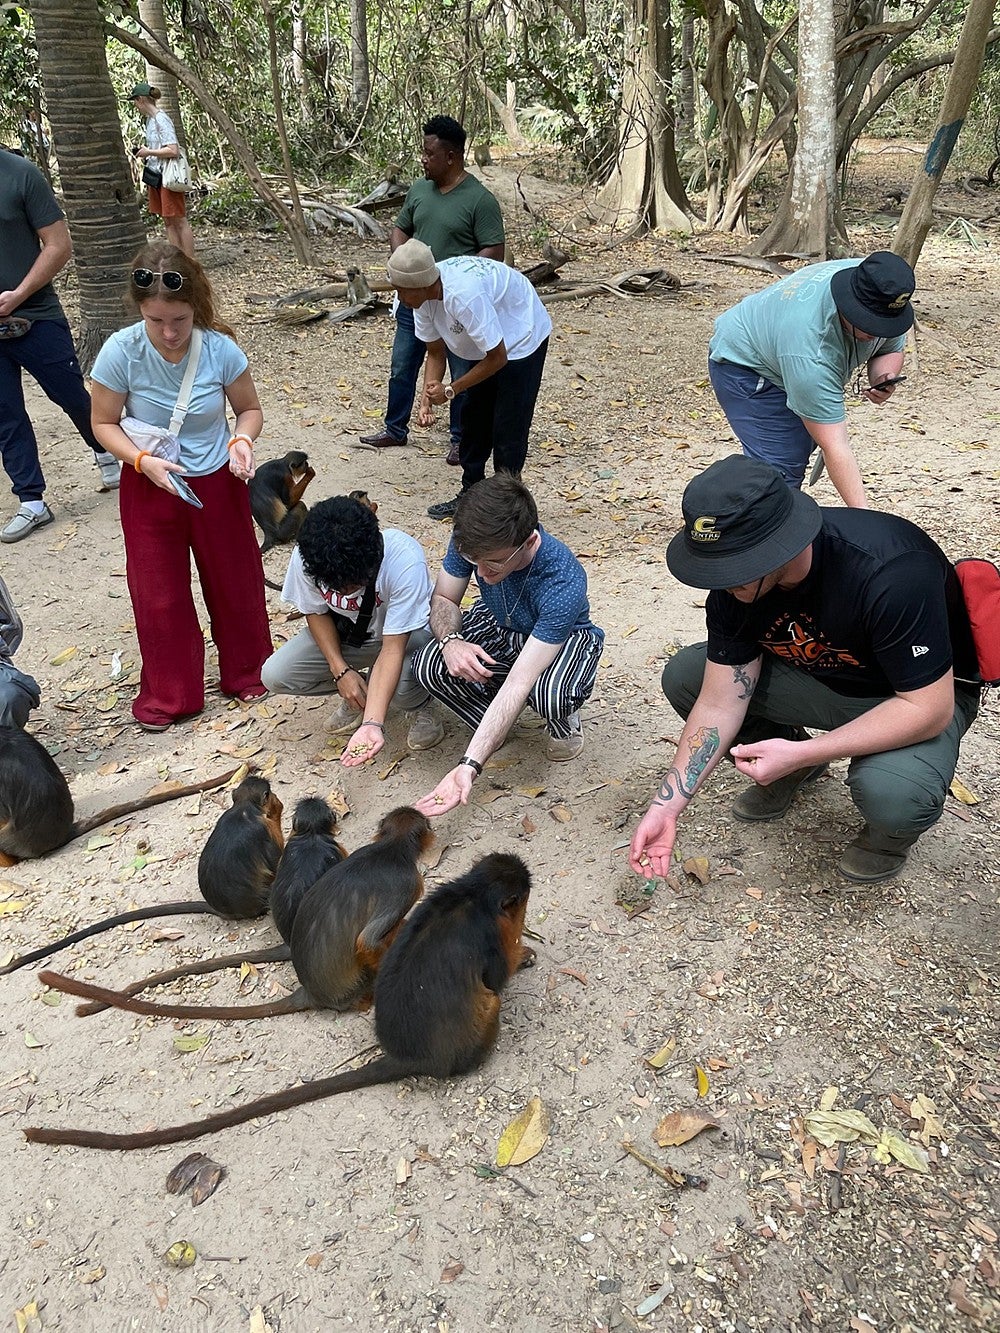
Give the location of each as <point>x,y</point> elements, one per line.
<point>681,1126</point>
<point>313,1260</point>
<point>561,813</point>
<point>701,1081</point>
<point>160,1294</point>
<point>830,1127</point>
<point>94,1275</point>
<point>697,868</point>
<point>581,977</point>
<point>962,793</point>
<point>661,1057</point>
<point>404,1170</point>
<point>451,1271</point>
<point>525,1136</point>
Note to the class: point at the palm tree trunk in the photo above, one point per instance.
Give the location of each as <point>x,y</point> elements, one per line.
<point>98,193</point>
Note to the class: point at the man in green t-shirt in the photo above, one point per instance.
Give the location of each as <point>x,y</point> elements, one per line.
<point>454,214</point>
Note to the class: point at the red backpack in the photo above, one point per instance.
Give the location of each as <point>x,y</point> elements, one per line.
<point>980,580</point>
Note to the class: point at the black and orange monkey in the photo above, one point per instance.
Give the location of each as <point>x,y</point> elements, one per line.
<point>36,808</point>
<point>437,1000</point>
<point>276,491</point>
<point>235,868</point>
<point>309,852</point>
<point>342,928</point>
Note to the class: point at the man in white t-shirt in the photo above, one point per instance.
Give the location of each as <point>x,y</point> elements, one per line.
<point>365,595</point>
<point>489,314</point>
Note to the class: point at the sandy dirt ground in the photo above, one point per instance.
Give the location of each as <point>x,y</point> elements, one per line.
<point>385,1209</point>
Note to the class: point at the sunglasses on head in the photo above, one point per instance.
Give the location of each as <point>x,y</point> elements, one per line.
<point>145,277</point>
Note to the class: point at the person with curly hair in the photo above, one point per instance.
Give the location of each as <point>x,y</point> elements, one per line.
<point>184,494</point>
<point>365,595</point>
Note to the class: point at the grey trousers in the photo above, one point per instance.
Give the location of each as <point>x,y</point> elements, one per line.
<point>899,793</point>
<point>19,694</point>
<point>298,667</point>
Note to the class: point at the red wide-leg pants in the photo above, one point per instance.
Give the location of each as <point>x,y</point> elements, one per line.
<point>161,534</point>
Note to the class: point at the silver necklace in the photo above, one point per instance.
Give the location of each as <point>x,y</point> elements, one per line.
<point>509,613</point>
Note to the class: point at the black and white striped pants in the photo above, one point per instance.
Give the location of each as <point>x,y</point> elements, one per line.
<point>563,687</point>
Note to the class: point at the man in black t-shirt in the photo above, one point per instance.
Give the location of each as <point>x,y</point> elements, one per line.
<point>34,336</point>
<point>846,621</point>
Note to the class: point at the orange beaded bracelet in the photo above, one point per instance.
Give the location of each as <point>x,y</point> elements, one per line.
<point>137,463</point>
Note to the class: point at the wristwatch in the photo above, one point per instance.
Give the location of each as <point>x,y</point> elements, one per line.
<point>449,393</point>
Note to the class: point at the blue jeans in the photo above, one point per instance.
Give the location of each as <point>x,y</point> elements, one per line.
<point>46,352</point>
<point>761,419</point>
<point>498,418</point>
<point>407,357</point>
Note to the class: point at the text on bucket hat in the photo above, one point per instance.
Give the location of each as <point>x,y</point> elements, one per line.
<point>412,265</point>
<point>741,521</point>
<point>874,295</point>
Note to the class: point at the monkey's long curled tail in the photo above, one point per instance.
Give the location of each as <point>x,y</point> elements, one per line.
<point>123,919</point>
<point>291,1004</point>
<point>382,1070</point>
<point>278,953</point>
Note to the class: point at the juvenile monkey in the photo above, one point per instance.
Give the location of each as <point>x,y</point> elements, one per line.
<point>36,808</point>
<point>341,930</point>
<point>309,852</point>
<point>437,1000</point>
<point>235,868</point>
<point>276,491</point>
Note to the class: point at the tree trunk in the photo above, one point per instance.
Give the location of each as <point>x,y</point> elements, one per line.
<point>645,188</point>
<point>152,18</point>
<point>686,116</point>
<point>299,235</point>
<point>361,88</point>
<point>809,218</point>
<point>918,211</point>
<point>299,62</point>
<point>98,192</point>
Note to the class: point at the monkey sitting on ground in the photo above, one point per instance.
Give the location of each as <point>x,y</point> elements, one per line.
<point>36,808</point>
<point>342,929</point>
<point>276,491</point>
<point>309,853</point>
<point>235,868</point>
<point>437,1000</point>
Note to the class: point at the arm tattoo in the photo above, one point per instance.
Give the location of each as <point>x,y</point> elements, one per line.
<point>741,677</point>
<point>704,745</point>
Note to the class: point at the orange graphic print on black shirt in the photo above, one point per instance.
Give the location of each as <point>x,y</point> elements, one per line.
<point>797,641</point>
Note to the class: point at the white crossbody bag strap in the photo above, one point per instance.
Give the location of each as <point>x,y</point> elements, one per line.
<point>187,384</point>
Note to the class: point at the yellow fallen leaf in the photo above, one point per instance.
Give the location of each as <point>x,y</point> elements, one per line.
<point>238,776</point>
<point>533,792</point>
<point>32,1042</point>
<point>680,1126</point>
<point>922,1108</point>
<point>829,1098</point>
<point>11,906</point>
<point>185,1043</point>
<point>701,1079</point>
<point>93,1276</point>
<point>525,1136</point>
<point>905,1152</point>
<point>64,656</point>
<point>831,1127</point>
<point>24,1316</point>
<point>661,1057</point>
<point>962,793</point>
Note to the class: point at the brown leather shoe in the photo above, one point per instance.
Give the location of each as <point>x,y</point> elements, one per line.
<point>381,440</point>
<point>758,804</point>
<point>454,458</point>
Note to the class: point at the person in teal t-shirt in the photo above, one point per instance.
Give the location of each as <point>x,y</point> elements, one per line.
<point>454,214</point>
<point>779,361</point>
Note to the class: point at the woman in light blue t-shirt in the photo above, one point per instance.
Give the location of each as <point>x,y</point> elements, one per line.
<point>139,372</point>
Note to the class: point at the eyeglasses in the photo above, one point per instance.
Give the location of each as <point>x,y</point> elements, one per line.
<point>145,277</point>
<point>496,566</point>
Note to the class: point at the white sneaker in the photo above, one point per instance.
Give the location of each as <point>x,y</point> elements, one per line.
<point>24,522</point>
<point>345,719</point>
<point>562,748</point>
<point>110,469</point>
<point>426,728</point>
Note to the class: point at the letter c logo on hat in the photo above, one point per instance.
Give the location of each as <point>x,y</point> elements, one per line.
<point>703,530</point>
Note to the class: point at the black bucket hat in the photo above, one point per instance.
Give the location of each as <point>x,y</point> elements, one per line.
<point>741,521</point>
<point>874,295</point>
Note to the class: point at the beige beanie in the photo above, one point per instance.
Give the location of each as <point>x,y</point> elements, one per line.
<point>412,265</point>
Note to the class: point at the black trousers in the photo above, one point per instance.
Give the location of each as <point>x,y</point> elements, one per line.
<point>497,417</point>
